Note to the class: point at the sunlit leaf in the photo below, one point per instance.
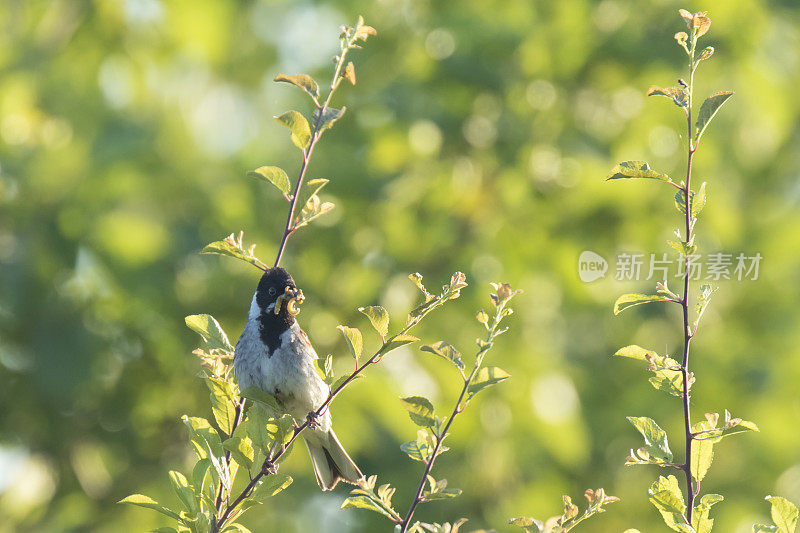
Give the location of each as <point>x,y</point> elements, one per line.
<point>258,395</point>
<point>665,495</point>
<point>352,336</point>
<point>709,110</point>
<point>378,317</point>
<point>446,351</point>
<point>223,403</point>
<point>350,73</point>
<point>298,125</point>
<point>420,410</point>
<point>274,175</point>
<point>684,248</point>
<point>677,94</point>
<point>234,247</point>
<point>241,450</point>
<point>636,169</point>
<point>180,485</point>
<point>208,328</point>
<point>364,502</point>
<point>700,519</point>
<point>203,436</point>
<point>634,352</point>
<point>486,377</point>
<point>627,301</point>
<point>328,117</point>
<point>304,81</point>
<point>655,438</point>
<point>396,342</point>
<point>784,514</point>
<point>149,503</point>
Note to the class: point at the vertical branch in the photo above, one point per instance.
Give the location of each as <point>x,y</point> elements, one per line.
<point>316,133</point>
<point>691,491</point>
<point>347,41</point>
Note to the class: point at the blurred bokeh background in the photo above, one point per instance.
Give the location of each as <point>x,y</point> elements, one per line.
<point>476,139</point>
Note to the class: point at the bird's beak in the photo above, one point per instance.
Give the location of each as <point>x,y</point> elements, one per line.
<point>293,298</point>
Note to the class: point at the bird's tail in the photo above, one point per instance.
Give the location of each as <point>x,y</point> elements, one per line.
<point>330,460</point>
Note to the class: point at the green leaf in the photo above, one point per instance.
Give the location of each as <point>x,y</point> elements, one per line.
<point>444,494</point>
<point>365,502</point>
<point>784,514</point>
<point>223,403</point>
<point>636,169</point>
<point>665,495</point>
<point>256,427</point>
<point>703,447</point>
<point>422,448</point>
<point>763,528</point>
<point>184,492</point>
<point>446,351</point>
<point>203,436</point>
<point>486,377</point>
<point>208,328</point>
<point>304,81</point>
<point>700,519</point>
<point>696,200</point>
<point>629,300</point>
<point>634,352</point>
<point>336,384</point>
<point>311,188</point>
<point>527,523</point>
<point>352,336</point>
<point>199,475</point>
<point>241,450</point>
<point>329,116</point>
<point>234,247</point>
<point>699,200</point>
<point>378,317</point>
<point>257,395</point>
<point>312,209</point>
<point>298,125</point>
<point>396,342</point>
<point>684,248</point>
<point>677,94</point>
<point>709,110</point>
<point>274,175</point>
<point>281,429</point>
<point>235,528</point>
<point>149,503</point>
<point>325,369</point>
<point>420,410</point>
<point>272,485</point>
<point>655,438</point>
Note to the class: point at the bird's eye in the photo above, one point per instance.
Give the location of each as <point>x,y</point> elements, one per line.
<point>272,291</point>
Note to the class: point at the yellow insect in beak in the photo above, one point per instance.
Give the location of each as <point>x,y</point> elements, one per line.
<point>293,298</point>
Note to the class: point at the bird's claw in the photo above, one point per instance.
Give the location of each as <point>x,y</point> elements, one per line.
<point>313,420</point>
<point>269,468</point>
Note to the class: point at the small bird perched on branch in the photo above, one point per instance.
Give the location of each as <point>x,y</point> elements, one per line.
<point>275,355</point>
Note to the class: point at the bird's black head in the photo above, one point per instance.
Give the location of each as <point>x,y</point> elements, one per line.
<point>278,299</point>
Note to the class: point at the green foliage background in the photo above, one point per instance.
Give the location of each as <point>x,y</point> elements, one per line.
<point>476,139</point>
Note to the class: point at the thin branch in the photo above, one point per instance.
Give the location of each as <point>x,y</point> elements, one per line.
<point>429,464</point>
<point>270,463</point>
<point>458,408</point>
<point>316,133</point>
<point>687,333</point>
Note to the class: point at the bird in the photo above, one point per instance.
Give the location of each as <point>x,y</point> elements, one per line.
<point>275,355</point>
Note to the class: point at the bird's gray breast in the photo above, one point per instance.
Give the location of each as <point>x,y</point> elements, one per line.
<point>288,372</point>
